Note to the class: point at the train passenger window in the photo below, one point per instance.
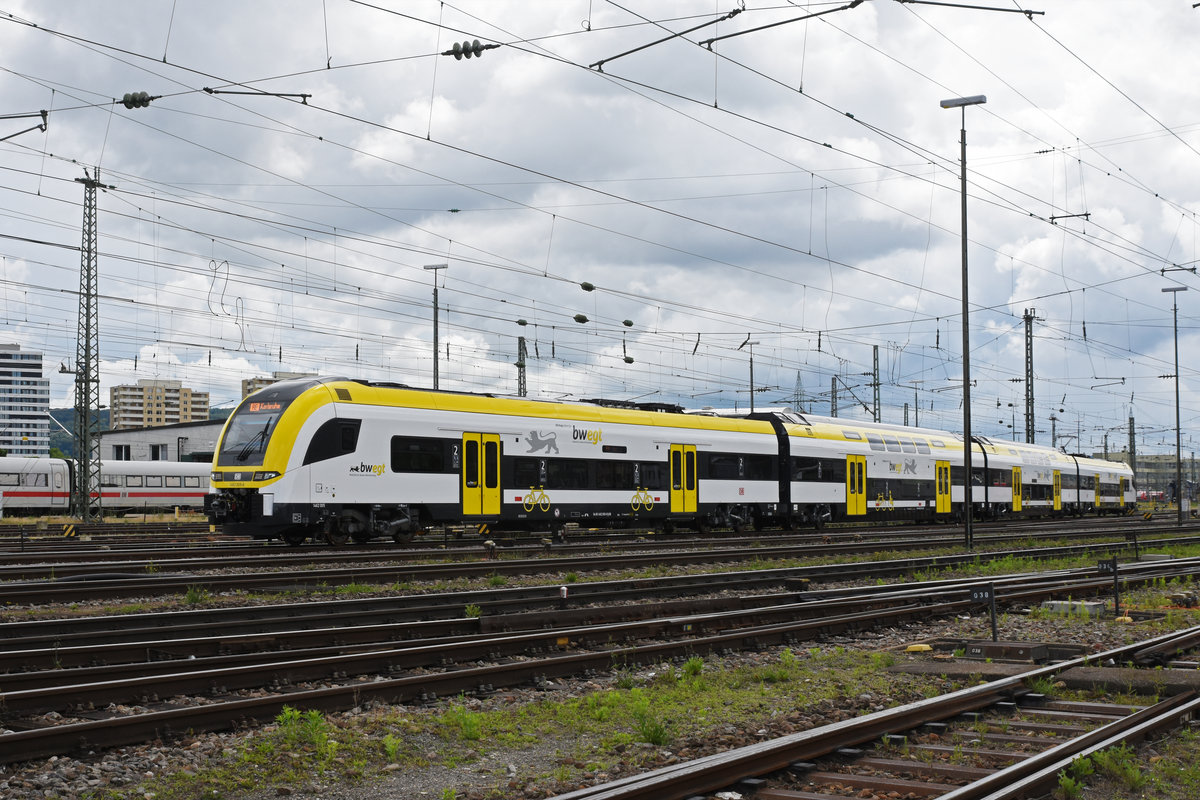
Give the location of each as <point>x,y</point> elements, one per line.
<point>173,481</point>
<point>806,469</point>
<point>411,454</point>
<point>907,445</point>
<point>191,481</point>
<point>562,473</point>
<point>876,441</point>
<point>676,470</point>
<point>133,480</point>
<point>922,446</point>
<point>937,443</point>
<point>335,437</point>
<point>654,476</point>
<point>526,473</point>
<point>759,468</point>
<point>852,435</point>
<point>154,480</point>
<point>111,480</point>
<point>893,444</point>
<point>33,479</point>
<point>615,475</point>
<point>471,463</point>
<point>10,479</point>
<point>491,464</point>
<point>723,467</point>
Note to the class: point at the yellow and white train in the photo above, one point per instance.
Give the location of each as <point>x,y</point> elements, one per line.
<point>335,459</point>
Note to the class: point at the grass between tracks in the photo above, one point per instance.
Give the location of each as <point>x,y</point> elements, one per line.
<point>625,722</point>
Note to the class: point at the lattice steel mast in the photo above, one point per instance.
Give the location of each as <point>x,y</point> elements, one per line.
<point>87,365</point>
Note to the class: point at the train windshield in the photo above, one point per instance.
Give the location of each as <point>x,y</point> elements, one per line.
<point>249,430</point>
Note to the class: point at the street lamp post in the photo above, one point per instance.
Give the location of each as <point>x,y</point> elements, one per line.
<point>1175,290</point>
<point>962,103</point>
<point>434,268</point>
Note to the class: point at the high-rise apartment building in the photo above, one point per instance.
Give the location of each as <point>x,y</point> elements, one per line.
<point>252,385</point>
<point>152,403</point>
<point>24,403</point>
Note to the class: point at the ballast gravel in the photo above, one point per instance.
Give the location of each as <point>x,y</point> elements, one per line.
<point>522,774</point>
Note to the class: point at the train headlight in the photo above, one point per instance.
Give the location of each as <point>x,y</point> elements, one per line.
<point>265,476</point>
<point>217,476</point>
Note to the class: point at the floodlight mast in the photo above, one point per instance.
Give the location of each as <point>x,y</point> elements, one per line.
<point>968,533</point>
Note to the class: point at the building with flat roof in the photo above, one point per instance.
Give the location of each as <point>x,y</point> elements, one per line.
<point>185,441</point>
<point>252,385</point>
<point>24,403</point>
<point>153,403</point>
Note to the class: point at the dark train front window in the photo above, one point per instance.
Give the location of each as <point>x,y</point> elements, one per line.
<point>249,431</point>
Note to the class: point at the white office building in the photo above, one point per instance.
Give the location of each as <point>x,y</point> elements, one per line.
<point>24,403</point>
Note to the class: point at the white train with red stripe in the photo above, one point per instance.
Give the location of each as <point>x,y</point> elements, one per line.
<point>45,485</point>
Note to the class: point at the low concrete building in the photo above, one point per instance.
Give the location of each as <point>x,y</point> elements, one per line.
<point>185,441</point>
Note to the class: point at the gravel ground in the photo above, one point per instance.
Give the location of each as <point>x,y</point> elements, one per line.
<point>120,773</point>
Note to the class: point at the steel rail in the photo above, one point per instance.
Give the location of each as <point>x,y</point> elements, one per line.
<point>1039,772</point>
<point>58,739</point>
<point>466,648</point>
<point>712,773</point>
<point>119,585</point>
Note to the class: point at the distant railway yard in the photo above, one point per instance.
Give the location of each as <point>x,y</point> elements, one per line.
<point>169,660</point>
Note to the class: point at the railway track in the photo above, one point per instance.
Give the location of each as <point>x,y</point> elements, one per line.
<point>998,741</point>
<point>80,582</point>
<point>67,536</point>
<point>220,678</point>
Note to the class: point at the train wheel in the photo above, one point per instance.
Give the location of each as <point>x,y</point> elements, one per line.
<point>402,537</point>
<point>334,533</point>
<point>295,536</point>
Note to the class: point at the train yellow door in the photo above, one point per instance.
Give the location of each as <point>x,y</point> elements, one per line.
<point>683,478</point>
<point>856,485</point>
<point>1121,493</point>
<point>1016,489</point>
<point>942,486</point>
<point>1097,500</point>
<point>1057,490</point>
<point>481,473</point>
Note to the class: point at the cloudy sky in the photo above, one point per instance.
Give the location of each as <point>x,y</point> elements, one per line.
<point>788,192</point>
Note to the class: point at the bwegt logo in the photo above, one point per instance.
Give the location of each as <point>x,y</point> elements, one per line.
<point>582,435</point>
<point>368,469</point>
